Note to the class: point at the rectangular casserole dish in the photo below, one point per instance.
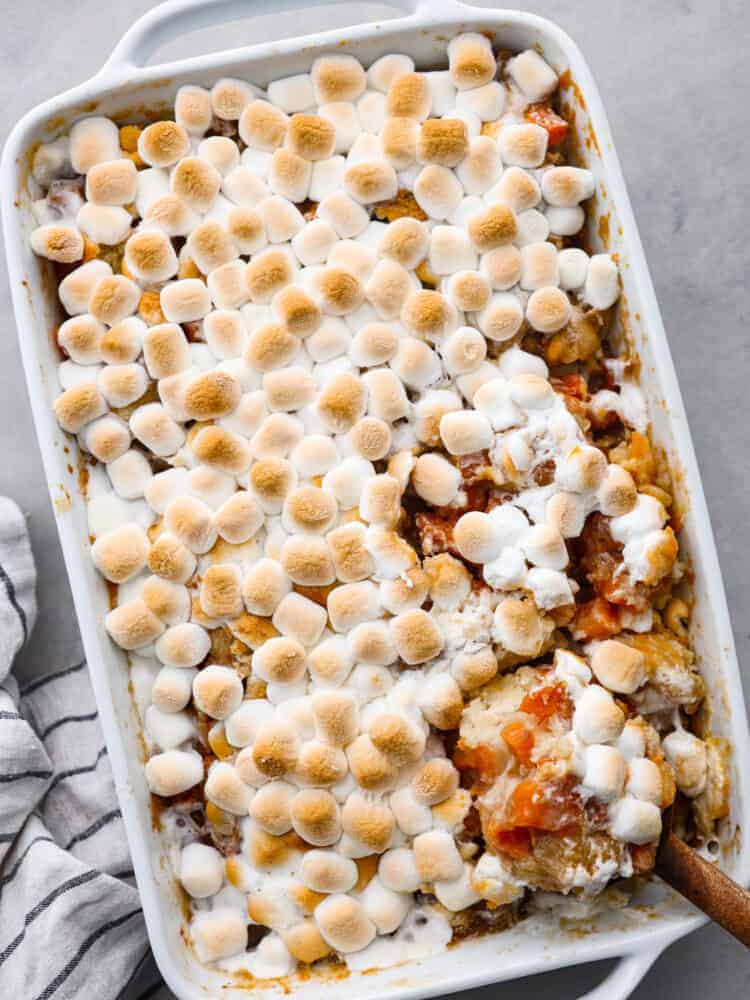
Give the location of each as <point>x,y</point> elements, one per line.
<point>126,90</point>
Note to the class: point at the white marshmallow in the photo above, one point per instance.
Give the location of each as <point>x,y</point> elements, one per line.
<point>523,145</point>
<point>201,870</point>
<point>564,221</point>
<point>93,140</point>
<point>597,718</point>
<point>172,688</point>
<point>602,287</point>
<point>129,474</point>
<point>572,265</point>
<point>533,76</point>
<point>635,821</point>
<point>384,71</point>
<point>327,177</point>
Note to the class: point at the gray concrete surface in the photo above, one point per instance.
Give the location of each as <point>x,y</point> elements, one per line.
<point>674,77</point>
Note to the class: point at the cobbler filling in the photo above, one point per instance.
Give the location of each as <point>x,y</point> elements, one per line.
<point>389,548</point>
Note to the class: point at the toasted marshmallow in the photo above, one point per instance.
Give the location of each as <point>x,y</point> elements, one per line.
<point>313,243</point>
<point>481,166</point>
<point>437,191</point>
<point>565,187</point>
<point>299,618</point>
<point>597,718</point>
<point>335,712</point>
<point>239,518</point>
<point>399,138</point>
<point>417,636</point>
<point>494,227</point>
<point>311,137</point>
<point>465,432</point>
<point>75,289</point>
<point>416,365</point>
<point>644,780</point>
<point>635,821</point>
<point>582,469</point>
<point>210,246</point>
<point>409,96</point>
<point>165,487</point>
<point>405,241</point>
<point>316,817</point>
<point>337,78</point>
<point>342,402</point>
<point>122,343</point>
<point>443,141</point>
<point>548,309</point>
<point>533,76</point>
<point>263,587</point>
<point>93,140</point>
<point>387,909</point>
<point>372,643</point>
<point>435,781</point>
<point>471,64</point>
<point>197,182</point>
<point>328,871</point>
<point>517,626</point>
<point>225,333</point>
<point>450,251</point>
<point>397,737</point>
<point>371,182</point>
<point>271,807</point>
<point>245,226</point>
<point>153,427</point>
<point>602,284</point>
<point>604,772</point>
<point>165,350</point>
<point>133,625</point>
<point>369,822</point>
<point>346,480</point>
<point>523,145</point>
<point>566,513</point>
<point>174,772</point>
<point>112,182</point>
<point>518,189</point>
<point>129,474</point>
<point>192,109</point>
<point>465,350</point>
<point>210,486</point>
<point>183,645</point>
<point>58,242</point>
<point>169,601</point>
<point>330,663</point>
<point>289,389</point>
<point>229,97</point>
<point>244,188</point>
<point>413,818</point>
<point>218,933</point>
<point>267,273</point>
<point>543,546</point>
<point>307,561</point>
<point>221,152</point>
<point>344,924</point>
<point>201,870</point>
<point>469,291</point>
<point>263,126</point>
<point>687,755</point>
<point>352,562</point>
<point>477,537</point>
<point>217,691</point>
<point>271,479</point>
<point>121,553</point>
<point>343,215</point>
<point>309,509</point>
<point>122,385</point>
<point>472,670</point>
<point>617,666</point>
<point>80,337</point>
<point>436,856</point>
<point>502,267</point>
<point>113,299</point>
<point>270,347</point>
<point>315,455</point>
<point>290,175</point>
<point>172,689</point>
<point>342,115</point>
<point>225,789</point>
<point>211,394</point>
<point>435,479</point>
<point>538,266</point>
<point>352,604</point>
<point>220,595</point>
<point>172,215</point>
<point>185,301</point>
<point>371,438</point>
<point>280,661</point>
<point>106,438</point>
<point>191,522</point>
<point>150,257</point>
<point>384,71</point>
<point>429,314</point>
<point>163,143</point>
<point>397,870</point>
<point>282,220</point>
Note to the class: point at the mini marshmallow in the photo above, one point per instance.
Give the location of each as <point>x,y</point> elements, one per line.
<point>352,562</point>
<point>62,243</point>
<point>347,218</point>
<point>644,780</point>
<point>387,909</point>
<point>479,170</point>
<point>201,870</point>
<point>597,718</point>
<point>75,289</point>
<point>409,96</point>
<point>435,781</point>
<point>523,145</point>
<point>316,818</point>
<point>281,219</point>
<point>371,110</point>
<point>154,428</point>
<point>172,689</point>
<point>197,182</point>
<point>619,667</point>
<point>121,553</point>
<point>183,645</point>
<point>163,144</point>
<point>263,126</point>
<point>487,102</point>
<point>328,871</point>
<point>477,538</point>
<point>192,109</point>
<point>80,337</point>
<point>465,432</point>
<point>289,175</point>
<point>416,365</point>
<point>167,730</point>
<point>443,141</point>
<point>602,284</point>
<point>416,636</point>
<point>533,76</point>
<point>436,480</point>
<point>299,618</point>
<point>219,933</point>
<point>405,241</point>
<point>604,772</point>
<point>129,474</point>
<point>165,350</point>
<point>472,670</point>
<point>582,469</point>
<point>93,140</point>
<point>113,299</point>
<point>564,221</point>
<point>342,115</point>
<point>221,152</point>
<point>635,821</point>
<point>313,243</point>
<point>122,385</point>
<point>133,625</point>
<point>185,301</point>
<point>263,587</point>
<point>210,246</point>
<point>225,789</point>
<point>436,857</point>
<point>413,818</point>
<point>220,595</point>
<point>122,343</point>
<point>399,138</point>
<point>471,61</point>
<point>229,97</point>
<point>106,438</point>
<point>327,176</point>
<point>244,188</point>
<point>517,627</point>
<point>174,771</point>
<point>315,455</point>
<point>573,267</point>
<point>492,228</point>
<point>311,137</point>
<point>501,267</point>
<point>548,309</point>
<point>543,546</point>
<point>217,691</point>
<point>344,924</point>
<point>368,821</point>
<point>150,257</point>
<point>426,313</point>
<point>210,486</point>
<point>372,643</point>
<point>371,182</point>
<point>450,251</point>
<point>112,182</point>
<point>687,755</point>
<point>170,214</point>
<point>565,187</point>
<point>289,389</point>
<point>337,78</point>
<point>270,347</point>
<point>437,191</point>
<point>464,350</point>
<point>539,266</point>
<point>375,343</point>
<point>351,604</point>
<point>191,522</point>
<point>384,71</point>
<point>566,513</point>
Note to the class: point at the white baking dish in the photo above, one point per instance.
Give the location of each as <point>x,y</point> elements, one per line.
<point>124,86</point>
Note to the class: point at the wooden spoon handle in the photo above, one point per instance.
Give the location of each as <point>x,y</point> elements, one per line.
<point>706,886</point>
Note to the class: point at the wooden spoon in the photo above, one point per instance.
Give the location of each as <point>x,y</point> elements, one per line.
<point>700,881</point>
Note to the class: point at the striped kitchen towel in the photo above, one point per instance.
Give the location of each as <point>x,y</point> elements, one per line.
<point>70,919</point>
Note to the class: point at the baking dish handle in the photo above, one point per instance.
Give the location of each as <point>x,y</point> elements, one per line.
<point>169,20</point>
<point>625,976</point>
